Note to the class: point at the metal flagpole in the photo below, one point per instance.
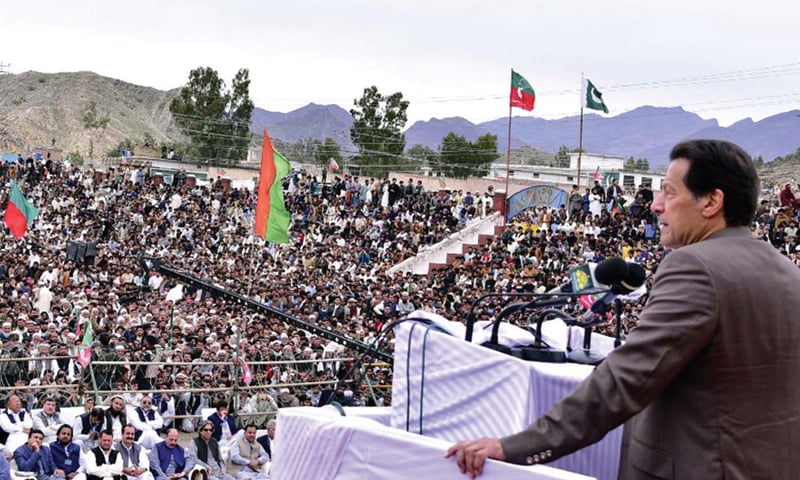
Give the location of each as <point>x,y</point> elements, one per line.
<point>508,155</point>
<point>580,137</point>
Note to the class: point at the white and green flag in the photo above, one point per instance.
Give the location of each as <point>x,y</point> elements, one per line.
<point>591,97</point>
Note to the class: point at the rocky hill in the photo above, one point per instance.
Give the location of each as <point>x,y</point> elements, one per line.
<point>37,108</point>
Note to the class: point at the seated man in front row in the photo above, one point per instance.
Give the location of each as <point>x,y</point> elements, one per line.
<point>135,462</point>
<point>249,453</point>
<point>168,460</point>
<point>35,458</point>
<point>204,453</point>
<point>103,462</point>
<point>66,455</point>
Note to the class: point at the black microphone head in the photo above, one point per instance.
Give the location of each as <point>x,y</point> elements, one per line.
<point>611,270</point>
<point>633,280</point>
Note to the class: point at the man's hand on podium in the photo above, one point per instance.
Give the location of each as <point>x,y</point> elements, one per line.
<point>471,455</point>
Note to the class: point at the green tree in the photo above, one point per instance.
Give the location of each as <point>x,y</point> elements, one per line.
<point>378,121</point>
<point>562,157</point>
<point>641,164</point>
<point>759,161</point>
<point>95,123</point>
<point>423,155</point>
<point>301,151</point>
<point>325,151</point>
<point>630,164</point>
<point>461,158</point>
<point>216,119</point>
<point>485,154</point>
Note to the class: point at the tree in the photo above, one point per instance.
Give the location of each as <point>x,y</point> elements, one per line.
<point>630,164</point>
<point>217,120</point>
<point>642,164</point>
<point>461,158</point>
<point>377,124</point>
<point>423,155</point>
<point>301,151</point>
<point>562,157</point>
<point>759,161</point>
<point>93,122</point>
<point>326,151</point>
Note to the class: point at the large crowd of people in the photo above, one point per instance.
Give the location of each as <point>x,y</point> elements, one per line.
<point>79,267</point>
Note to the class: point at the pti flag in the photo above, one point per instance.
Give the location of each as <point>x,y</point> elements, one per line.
<point>19,212</point>
<point>522,94</point>
<point>85,349</point>
<point>272,219</point>
<point>332,164</point>
<point>591,97</point>
<point>598,175</point>
<point>247,377</point>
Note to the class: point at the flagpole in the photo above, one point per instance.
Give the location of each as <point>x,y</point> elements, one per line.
<point>508,156</point>
<point>580,136</point>
<point>580,149</point>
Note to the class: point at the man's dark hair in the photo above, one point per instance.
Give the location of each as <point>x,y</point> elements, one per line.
<point>35,431</point>
<point>62,427</point>
<point>108,432</point>
<point>717,164</point>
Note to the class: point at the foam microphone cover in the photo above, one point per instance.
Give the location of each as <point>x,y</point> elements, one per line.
<point>611,270</point>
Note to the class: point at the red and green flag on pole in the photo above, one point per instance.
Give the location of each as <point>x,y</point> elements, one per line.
<point>522,94</point>
<point>20,213</point>
<point>85,348</point>
<point>272,219</point>
<point>599,174</point>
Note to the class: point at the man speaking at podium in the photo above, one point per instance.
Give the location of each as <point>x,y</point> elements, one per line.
<point>707,381</point>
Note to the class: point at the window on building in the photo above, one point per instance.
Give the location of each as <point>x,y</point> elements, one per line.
<point>628,181</point>
<point>570,179</point>
<point>535,174</point>
<point>647,182</point>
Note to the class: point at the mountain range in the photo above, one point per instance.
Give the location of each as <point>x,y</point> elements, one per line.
<point>37,108</point>
<point>645,132</point>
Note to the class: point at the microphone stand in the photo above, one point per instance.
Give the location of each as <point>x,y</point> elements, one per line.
<point>539,351</point>
<point>618,330</point>
<point>471,318</point>
<point>585,355</point>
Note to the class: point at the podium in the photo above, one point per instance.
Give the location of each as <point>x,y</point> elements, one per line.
<point>321,444</point>
<point>444,390</point>
<point>450,389</point>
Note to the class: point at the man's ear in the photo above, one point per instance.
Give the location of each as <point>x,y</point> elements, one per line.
<point>714,203</point>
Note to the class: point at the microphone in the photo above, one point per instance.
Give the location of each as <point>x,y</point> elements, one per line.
<point>593,276</point>
<point>625,278</point>
<point>633,278</point>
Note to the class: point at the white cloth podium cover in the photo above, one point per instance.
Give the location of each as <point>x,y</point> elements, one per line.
<point>320,444</point>
<point>447,388</point>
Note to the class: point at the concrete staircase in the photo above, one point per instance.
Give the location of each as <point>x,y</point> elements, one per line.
<point>478,232</point>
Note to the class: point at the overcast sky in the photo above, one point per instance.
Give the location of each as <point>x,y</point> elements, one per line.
<point>727,60</point>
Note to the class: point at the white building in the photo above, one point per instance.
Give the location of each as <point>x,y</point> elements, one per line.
<point>609,167</point>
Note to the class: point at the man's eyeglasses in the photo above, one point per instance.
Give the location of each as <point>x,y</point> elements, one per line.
<point>207,430</point>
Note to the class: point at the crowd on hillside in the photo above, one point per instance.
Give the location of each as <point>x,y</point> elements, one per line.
<point>79,267</point>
